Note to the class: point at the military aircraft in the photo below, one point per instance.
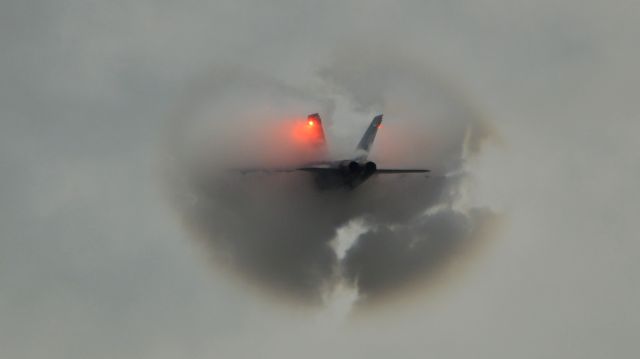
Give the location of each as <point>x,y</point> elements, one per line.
<point>345,173</point>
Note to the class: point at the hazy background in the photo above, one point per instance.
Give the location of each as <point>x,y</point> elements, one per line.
<point>95,264</point>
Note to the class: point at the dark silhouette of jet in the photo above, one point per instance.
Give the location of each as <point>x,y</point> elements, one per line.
<point>345,173</point>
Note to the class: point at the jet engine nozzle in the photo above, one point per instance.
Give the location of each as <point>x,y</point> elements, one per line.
<point>354,167</point>
<point>370,167</point>
<point>350,167</point>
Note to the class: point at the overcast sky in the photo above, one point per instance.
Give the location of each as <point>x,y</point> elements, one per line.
<point>94,262</point>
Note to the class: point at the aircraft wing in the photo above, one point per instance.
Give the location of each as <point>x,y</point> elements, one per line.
<point>318,169</point>
<point>317,166</point>
<point>264,170</point>
<point>407,170</point>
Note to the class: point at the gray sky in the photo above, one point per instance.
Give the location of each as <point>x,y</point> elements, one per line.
<point>95,264</point>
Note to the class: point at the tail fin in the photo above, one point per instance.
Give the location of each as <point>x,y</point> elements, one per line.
<point>316,132</point>
<point>362,151</point>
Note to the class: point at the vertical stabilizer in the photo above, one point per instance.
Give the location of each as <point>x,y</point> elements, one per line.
<point>364,146</point>
<point>315,134</point>
<point>315,122</point>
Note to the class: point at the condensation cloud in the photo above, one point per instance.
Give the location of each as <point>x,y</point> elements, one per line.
<point>277,230</point>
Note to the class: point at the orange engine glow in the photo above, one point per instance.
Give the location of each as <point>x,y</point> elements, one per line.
<point>311,123</point>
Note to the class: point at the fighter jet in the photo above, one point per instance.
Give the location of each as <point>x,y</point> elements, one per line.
<point>345,173</point>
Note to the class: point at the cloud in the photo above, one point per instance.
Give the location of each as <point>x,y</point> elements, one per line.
<point>277,229</point>
<point>389,258</point>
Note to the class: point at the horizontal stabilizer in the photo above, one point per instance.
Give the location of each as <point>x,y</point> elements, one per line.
<point>382,170</point>
<point>319,169</point>
<point>264,170</point>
